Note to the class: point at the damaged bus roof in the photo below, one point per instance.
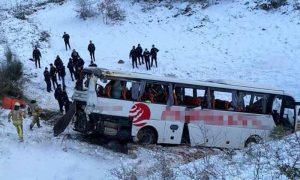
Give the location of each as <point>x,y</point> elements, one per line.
<point>222,84</point>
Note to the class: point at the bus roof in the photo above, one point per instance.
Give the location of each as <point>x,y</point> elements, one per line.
<point>223,84</point>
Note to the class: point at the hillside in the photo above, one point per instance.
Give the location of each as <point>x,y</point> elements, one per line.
<point>229,40</point>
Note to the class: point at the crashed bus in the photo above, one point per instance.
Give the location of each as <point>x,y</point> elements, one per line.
<point>150,109</point>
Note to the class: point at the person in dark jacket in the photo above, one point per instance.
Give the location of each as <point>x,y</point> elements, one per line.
<point>153,53</point>
<point>65,100</point>
<point>53,72</point>
<point>74,54</point>
<point>71,68</point>
<point>66,38</point>
<point>61,73</point>
<point>59,97</point>
<point>133,56</point>
<point>57,63</point>
<point>80,63</point>
<point>146,55</point>
<point>47,79</point>
<point>36,55</point>
<point>92,48</point>
<point>139,52</point>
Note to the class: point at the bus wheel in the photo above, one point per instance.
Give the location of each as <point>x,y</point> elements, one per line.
<point>147,136</point>
<point>252,140</point>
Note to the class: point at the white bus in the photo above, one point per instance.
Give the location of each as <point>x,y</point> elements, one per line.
<point>150,109</point>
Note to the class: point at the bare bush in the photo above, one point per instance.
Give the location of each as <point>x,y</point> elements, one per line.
<point>85,9</point>
<point>111,11</point>
<point>11,75</point>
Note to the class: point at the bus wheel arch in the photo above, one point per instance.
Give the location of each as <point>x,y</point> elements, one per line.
<point>253,139</point>
<point>147,135</point>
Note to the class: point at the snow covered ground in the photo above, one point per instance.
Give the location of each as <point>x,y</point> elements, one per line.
<point>230,40</point>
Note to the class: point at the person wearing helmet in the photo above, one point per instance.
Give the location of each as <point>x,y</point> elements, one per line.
<point>17,116</point>
<point>36,110</point>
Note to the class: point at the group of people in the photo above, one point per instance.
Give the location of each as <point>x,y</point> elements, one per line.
<point>18,113</point>
<point>137,54</point>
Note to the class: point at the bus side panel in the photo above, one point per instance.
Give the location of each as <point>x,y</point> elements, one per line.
<point>173,132</point>
<point>197,133</point>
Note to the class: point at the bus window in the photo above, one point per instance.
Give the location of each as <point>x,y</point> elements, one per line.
<point>221,100</point>
<point>254,103</point>
<point>155,93</point>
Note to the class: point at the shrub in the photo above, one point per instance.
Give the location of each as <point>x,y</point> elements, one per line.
<point>277,133</point>
<point>111,11</point>
<point>85,9</point>
<point>11,75</point>
<point>270,4</point>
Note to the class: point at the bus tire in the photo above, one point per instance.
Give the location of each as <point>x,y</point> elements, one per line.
<point>147,136</point>
<point>253,140</point>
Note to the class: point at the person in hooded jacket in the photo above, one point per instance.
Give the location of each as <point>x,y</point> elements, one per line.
<point>139,53</point>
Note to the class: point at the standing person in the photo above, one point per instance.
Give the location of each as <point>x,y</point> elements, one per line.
<point>71,68</point>
<point>58,96</point>
<point>58,62</point>
<point>36,111</point>
<point>53,72</point>
<point>36,55</point>
<point>62,73</point>
<point>153,53</point>
<point>92,49</point>
<point>17,116</point>
<point>133,57</point>
<point>80,62</point>
<point>146,55</point>
<point>66,38</point>
<point>65,100</point>
<point>47,77</point>
<point>139,52</point>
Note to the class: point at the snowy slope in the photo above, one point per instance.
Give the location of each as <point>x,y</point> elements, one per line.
<point>229,40</point>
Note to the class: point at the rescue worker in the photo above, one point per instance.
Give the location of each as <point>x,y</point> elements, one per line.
<point>17,116</point>
<point>36,55</point>
<point>47,79</point>
<point>153,53</point>
<point>146,55</point>
<point>71,68</point>
<point>36,111</point>
<point>92,48</point>
<point>53,72</point>
<point>133,56</point>
<point>139,52</point>
<point>58,97</point>
<point>66,38</point>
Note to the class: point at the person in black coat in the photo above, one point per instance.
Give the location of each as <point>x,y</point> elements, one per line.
<point>80,62</point>
<point>57,63</point>
<point>59,97</point>
<point>66,38</point>
<point>47,79</point>
<point>153,53</point>
<point>65,100</point>
<point>92,48</point>
<point>61,73</point>
<point>146,55</point>
<point>74,54</point>
<point>133,56</point>
<point>53,72</point>
<point>139,52</point>
<point>71,68</point>
<point>36,55</point>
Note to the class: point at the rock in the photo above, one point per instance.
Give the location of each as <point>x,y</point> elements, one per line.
<point>121,61</point>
